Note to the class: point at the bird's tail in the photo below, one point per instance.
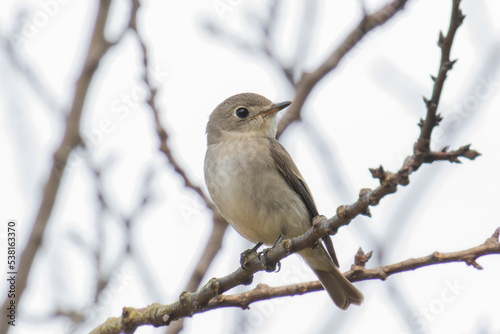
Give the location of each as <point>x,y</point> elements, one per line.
<point>342,292</point>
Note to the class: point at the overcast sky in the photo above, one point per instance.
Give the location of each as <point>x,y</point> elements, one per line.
<point>364,114</point>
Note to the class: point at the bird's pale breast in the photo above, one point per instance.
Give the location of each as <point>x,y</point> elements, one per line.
<point>251,193</point>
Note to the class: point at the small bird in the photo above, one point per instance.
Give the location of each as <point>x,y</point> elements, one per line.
<point>256,186</point>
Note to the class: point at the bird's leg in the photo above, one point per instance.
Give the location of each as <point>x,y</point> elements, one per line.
<point>263,255</point>
<point>280,239</point>
<point>246,255</point>
<point>257,246</point>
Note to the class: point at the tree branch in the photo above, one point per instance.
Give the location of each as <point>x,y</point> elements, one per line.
<point>360,273</point>
<point>309,80</point>
<point>155,314</point>
<point>219,226</point>
<point>220,223</point>
<point>71,139</point>
<point>160,128</point>
<point>432,119</point>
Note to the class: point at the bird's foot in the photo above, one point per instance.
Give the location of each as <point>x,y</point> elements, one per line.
<point>269,267</point>
<point>248,255</point>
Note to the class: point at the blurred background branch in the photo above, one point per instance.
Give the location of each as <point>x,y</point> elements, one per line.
<point>98,48</point>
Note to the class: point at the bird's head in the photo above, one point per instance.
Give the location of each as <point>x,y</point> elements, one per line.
<point>246,114</point>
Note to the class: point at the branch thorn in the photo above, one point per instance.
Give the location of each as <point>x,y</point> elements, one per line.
<point>474,263</point>
<point>361,258</point>
<point>377,173</point>
<point>439,118</point>
<point>366,212</point>
<point>465,147</point>
<point>441,39</point>
<point>445,148</point>
<point>449,64</point>
<point>426,100</point>
<point>461,17</point>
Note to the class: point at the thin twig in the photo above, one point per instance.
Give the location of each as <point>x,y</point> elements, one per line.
<point>160,128</point>
<point>432,119</point>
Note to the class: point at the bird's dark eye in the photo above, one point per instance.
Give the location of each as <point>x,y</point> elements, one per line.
<point>242,113</point>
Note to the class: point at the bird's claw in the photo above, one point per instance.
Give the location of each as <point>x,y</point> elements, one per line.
<point>269,267</point>
<point>246,257</point>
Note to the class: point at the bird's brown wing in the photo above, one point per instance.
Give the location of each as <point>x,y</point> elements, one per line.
<point>289,170</point>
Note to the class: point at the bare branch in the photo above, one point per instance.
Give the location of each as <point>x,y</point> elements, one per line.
<point>212,248</point>
<point>432,119</point>
<point>360,273</point>
<point>214,243</point>
<point>219,222</point>
<point>309,80</point>
<point>160,128</point>
<point>71,139</point>
<point>158,315</point>
<point>452,156</point>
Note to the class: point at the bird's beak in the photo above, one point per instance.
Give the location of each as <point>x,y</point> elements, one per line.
<point>275,108</point>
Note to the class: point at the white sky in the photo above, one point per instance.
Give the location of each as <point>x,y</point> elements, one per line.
<point>366,111</point>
